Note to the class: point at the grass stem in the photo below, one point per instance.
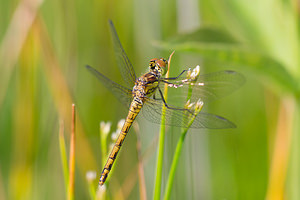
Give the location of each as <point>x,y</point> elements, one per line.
<point>178,149</point>
<point>72,157</point>
<point>177,155</point>
<point>161,143</point>
<point>63,155</point>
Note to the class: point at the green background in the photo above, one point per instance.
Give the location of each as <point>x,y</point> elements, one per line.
<point>45,46</point>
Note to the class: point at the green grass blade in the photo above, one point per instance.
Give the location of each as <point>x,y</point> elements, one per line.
<point>161,144</point>
<point>178,152</point>
<point>174,165</point>
<point>71,185</point>
<point>63,155</point>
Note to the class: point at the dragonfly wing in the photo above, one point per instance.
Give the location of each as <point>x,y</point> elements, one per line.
<point>152,110</point>
<point>123,61</point>
<point>123,94</point>
<point>207,87</point>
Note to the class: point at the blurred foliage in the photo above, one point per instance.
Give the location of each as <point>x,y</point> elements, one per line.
<point>45,45</point>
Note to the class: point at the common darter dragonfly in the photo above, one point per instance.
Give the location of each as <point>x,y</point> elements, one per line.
<point>145,93</point>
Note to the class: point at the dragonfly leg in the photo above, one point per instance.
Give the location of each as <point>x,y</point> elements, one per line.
<point>170,78</point>
<point>165,103</point>
<point>154,97</point>
<point>174,78</point>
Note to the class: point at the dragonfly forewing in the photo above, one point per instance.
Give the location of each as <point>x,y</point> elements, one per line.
<point>122,59</point>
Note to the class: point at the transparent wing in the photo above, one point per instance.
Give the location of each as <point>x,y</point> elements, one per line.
<point>123,61</point>
<point>152,110</point>
<point>123,94</point>
<point>208,87</point>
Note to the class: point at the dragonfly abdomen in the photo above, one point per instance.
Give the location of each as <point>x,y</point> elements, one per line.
<point>134,109</point>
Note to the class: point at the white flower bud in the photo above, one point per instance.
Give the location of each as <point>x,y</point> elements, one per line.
<point>90,176</point>
<point>195,73</point>
<point>198,106</point>
<point>105,127</point>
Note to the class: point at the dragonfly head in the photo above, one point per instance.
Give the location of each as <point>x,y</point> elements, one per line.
<point>158,65</point>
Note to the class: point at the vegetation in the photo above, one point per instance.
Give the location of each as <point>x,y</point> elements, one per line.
<point>44,47</point>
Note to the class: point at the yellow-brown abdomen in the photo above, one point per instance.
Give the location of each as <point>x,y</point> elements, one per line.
<point>135,108</point>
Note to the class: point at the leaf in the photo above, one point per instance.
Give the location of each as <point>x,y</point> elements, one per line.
<point>205,34</point>
<point>219,46</point>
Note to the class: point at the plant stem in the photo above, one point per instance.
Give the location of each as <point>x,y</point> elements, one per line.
<point>178,150</point>
<point>159,163</point>
<point>161,144</point>
<point>92,191</point>
<point>63,155</point>
<point>176,159</point>
<point>282,146</point>
<point>72,157</point>
<point>103,142</point>
<point>293,182</point>
<point>141,173</point>
<point>174,165</point>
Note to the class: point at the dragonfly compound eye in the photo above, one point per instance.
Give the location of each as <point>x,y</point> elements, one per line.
<point>162,64</point>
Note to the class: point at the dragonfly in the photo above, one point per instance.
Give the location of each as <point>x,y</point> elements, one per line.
<point>145,93</point>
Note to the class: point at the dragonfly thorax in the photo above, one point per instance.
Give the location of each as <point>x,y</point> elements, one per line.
<point>158,66</point>
<point>146,85</point>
